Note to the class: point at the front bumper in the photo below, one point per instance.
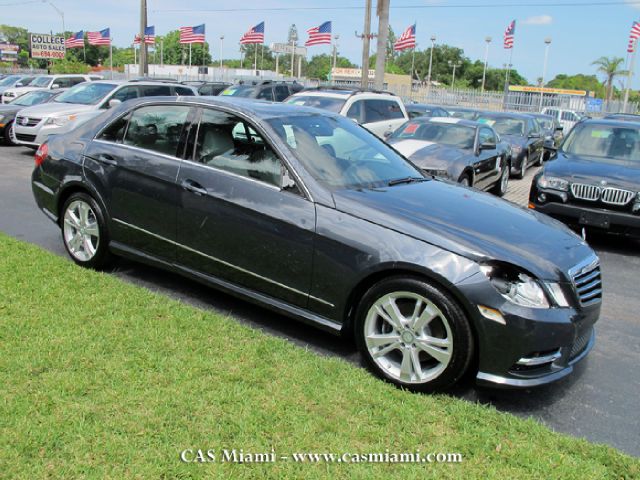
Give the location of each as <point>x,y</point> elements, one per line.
<point>36,135</point>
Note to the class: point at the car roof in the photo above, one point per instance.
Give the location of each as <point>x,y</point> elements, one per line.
<point>140,82</point>
<point>448,120</point>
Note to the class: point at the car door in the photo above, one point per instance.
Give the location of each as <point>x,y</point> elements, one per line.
<point>133,163</point>
<point>382,116</point>
<point>488,164</point>
<point>535,140</point>
<point>235,221</point>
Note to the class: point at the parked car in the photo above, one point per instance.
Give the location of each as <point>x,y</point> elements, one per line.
<point>51,82</point>
<point>11,81</point>
<point>464,151</point>
<point>594,180</point>
<point>428,276</point>
<point>423,110</point>
<point>208,88</point>
<point>33,125</point>
<point>522,133</point>
<point>628,117</point>
<point>566,118</point>
<point>379,112</point>
<point>266,90</point>
<point>551,132</point>
<point>463,112</point>
<point>8,112</point>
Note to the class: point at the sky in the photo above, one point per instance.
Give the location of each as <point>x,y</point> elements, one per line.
<point>579,33</point>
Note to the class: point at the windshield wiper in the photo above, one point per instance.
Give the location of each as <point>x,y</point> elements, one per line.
<point>399,181</point>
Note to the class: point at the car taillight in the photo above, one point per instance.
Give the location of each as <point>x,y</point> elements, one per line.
<point>41,154</point>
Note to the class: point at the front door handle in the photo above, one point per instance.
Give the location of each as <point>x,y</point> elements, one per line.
<point>107,159</point>
<point>194,187</point>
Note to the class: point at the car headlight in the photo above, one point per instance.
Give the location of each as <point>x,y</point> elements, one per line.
<point>515,286</point>
<point>60,121</point>
<point>553,183</point>
<point>436,172</point>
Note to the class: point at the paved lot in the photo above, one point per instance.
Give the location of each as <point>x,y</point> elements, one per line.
<point>598,402</point>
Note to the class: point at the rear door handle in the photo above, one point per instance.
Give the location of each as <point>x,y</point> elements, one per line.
<point>194,187</point>
<point>107,159</point>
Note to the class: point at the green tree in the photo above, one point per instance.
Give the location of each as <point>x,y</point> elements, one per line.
<point>610,67</point>
<point>578,82</point>
<point>320,65</point>
<point>176,53</point>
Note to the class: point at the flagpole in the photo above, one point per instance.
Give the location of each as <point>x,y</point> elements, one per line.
<point>413,62</point>
<point>261,56</point>
<point>190,58</point>
<point>135,55</point>
<point>111,56</point>
<point>632,63</point>
<point>255,60</point>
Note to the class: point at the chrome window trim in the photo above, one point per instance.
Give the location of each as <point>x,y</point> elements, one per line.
<point>223,262</point>
<point>131,147</point>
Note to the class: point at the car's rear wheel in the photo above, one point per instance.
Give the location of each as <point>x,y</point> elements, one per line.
<point>9,134</point>
<point>84,231</point>
<point>541,158</point>
<point>413,334</point>
<point>523,166</point>
<point>500,188</point>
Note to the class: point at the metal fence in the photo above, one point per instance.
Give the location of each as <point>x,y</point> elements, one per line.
<point>22,71</point>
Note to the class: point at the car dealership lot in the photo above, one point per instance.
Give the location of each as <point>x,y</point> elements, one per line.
<point>597,402</point>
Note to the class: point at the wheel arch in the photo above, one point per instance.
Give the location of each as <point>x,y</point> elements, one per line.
<point>77,187</point>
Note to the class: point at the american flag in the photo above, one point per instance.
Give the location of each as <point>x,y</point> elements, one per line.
<point>407,39</point>
<point>254,35</point>
<point>149,36</point>
<point>509,35</point>
<point>192,34</point>
<point>319,35</point>
<point>75,41</point>
<point>633,36</point>
<point>103,37</point>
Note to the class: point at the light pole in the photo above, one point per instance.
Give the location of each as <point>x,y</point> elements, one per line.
<point>221,46</point>
<point>335,55</point>
<point>486,60</point>
<point>433,44</point>
<point>294,39</point>
<point>453,65</point>
<point>547,42</point>
<point>60,12</point>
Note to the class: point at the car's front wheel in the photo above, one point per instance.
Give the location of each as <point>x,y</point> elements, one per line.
<point>413,334</point>
<point>523,167</point>
<point>84,231</point>
<point>500,188</point>
<point>9,134</point>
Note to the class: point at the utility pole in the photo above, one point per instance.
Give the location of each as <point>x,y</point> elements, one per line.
<point>433,44</point>
<point>335,56</point>
<point>486,60</point>
<point>381,50</point>
<point>547,42</point>
<point>221,45</point>
<point>366,41</point>
<point>143,68</point>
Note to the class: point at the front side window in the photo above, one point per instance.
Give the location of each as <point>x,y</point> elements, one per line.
<point>125,93</point>
<point>281,92</point>
<point>41,82</point>
<point>115,131</point>
<point>228,143</point>
<point>157,128</point>
<point>380,110</point>
<point>355,111</point>
<point>340,154</point>
<point>505,125</point>
<point>86,93</point>
<point>486,136</point>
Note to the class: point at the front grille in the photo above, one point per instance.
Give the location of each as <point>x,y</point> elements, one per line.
<point>582,191</point>
<point>617,196</point>
<point>588,284</point>
<point>31,122</point>
<point>580,344</point>
<point>25,138</point>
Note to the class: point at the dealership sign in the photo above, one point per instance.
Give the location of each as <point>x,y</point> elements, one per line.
<point>8,52</point>
<point>287,48</point>
<point>46,46</point>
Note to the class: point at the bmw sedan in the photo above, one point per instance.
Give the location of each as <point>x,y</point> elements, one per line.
<point>305,212</point>
<point>594,180</point>
<point>461,150</point>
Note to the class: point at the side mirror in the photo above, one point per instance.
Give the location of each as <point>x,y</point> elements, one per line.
<point>487,146</point>
<point>55,86</point>
<point>19,84</point>
<point>114,102</point>
<point>559,128</point>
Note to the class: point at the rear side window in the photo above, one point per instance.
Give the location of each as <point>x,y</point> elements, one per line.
<point>156,90</point>
<point>380,110</point>
<point>266,94</point>
<point>157,128</point>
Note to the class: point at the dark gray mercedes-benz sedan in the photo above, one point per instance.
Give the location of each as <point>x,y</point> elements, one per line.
<point>307,213</point>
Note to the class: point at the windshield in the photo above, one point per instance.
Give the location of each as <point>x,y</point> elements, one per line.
<point>504,125</point>
<point>326,103</point>
<point>341,154</point>
<point>33,98</point>
<point>450,134</point>
<point>40,82</point>
<point>10,80</point>
<point>239,91</point>
<point>86,93</point>
<point>604,141</point>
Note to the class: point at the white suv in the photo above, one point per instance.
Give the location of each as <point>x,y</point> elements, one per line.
<point>379,112</point>
<point>33,125</point>
<point>48,82</point>
<point>566,118</point>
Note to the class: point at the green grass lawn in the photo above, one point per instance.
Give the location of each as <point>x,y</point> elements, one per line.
<point>102,379</point>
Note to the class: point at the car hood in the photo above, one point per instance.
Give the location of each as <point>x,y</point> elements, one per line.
<point>22,90</point>
<point>593,170</point>
<point>54,109</point>
<point>470,223</point>
<point>8,109</point>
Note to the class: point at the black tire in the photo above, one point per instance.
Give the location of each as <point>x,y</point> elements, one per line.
<point>541,159</point>
<point>465,180</point>
<point>7,134</point>
<point>101,258</point>
<point>462,345</point>
<point>523,167</point>
<point>501,187</point>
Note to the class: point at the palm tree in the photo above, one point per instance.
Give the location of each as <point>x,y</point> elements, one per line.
<point>610,67</point>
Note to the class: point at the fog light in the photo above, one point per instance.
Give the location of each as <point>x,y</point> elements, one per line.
<point>542,197</point>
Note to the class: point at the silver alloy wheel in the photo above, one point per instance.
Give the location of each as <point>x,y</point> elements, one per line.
<point>408,337</point>
<point>81,231</point>
<point>465,182</point>
<point>12,134</point>
<point>525,164</point>
<point>504,180</point>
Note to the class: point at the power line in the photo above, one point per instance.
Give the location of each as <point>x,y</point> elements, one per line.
<point>409,7</point>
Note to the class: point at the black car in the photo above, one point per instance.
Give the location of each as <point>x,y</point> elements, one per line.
<point>8,111</point>
<point>594,181</point>
<point>423,110</point>
<point>208,88</point>
<point>266,90</point>
<point>464,151</point>
<point>551,131</point>
<point>307,213</point>
<point>627,117</point>
<point>522,133</point>
<point>463,112</point>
